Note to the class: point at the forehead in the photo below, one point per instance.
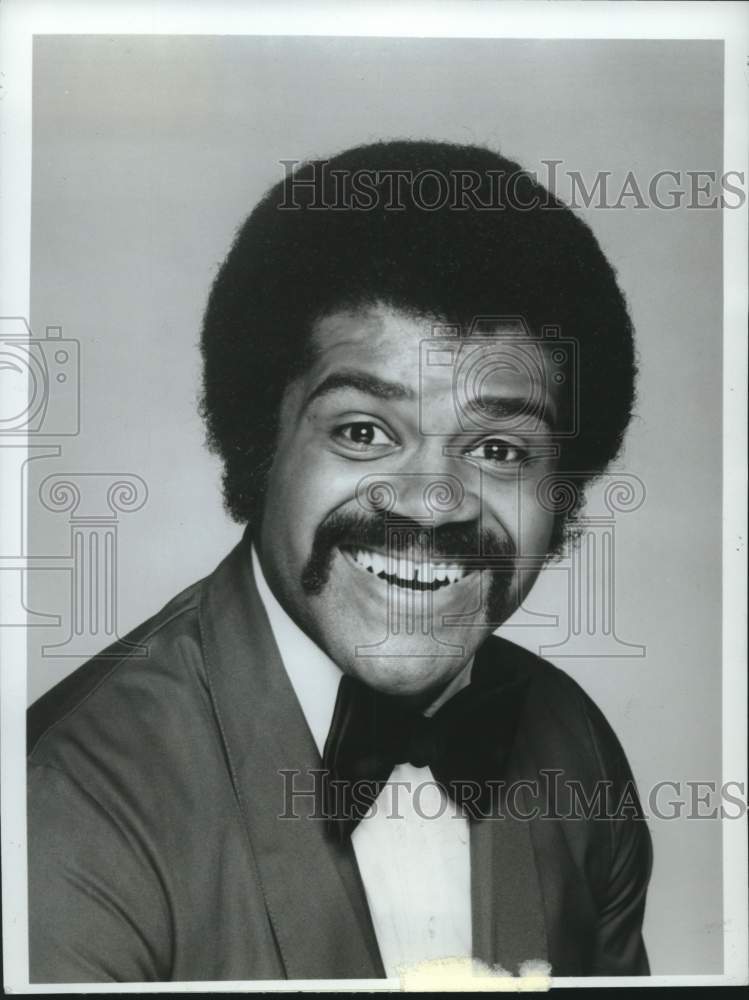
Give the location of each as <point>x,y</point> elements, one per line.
<point>374,336</point>
<point>426,355</point>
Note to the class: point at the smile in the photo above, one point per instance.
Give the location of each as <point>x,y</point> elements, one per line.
<point>407,572</point>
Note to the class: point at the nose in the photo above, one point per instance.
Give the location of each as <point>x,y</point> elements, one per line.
<point>434,489</point>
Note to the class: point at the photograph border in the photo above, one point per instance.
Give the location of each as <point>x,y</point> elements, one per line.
<point>20,21</point>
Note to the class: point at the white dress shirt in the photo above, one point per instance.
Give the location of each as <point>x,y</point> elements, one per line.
<point>414,859</point>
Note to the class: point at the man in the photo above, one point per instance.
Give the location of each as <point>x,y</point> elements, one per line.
<point>396,382</point>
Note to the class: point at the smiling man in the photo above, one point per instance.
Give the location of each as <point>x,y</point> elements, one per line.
<point>328,766</point>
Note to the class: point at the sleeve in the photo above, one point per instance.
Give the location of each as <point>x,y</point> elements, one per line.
<point>97,911</point>
<point>620,948</point>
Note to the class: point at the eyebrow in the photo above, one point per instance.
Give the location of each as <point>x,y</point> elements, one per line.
<point>504,407</point>
<point>497,407</point>
<point>360,382</point>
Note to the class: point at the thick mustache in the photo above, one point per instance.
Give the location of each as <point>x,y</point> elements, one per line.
<point>464,542</point>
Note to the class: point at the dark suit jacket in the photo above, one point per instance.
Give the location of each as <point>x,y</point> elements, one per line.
<point>156,852</point>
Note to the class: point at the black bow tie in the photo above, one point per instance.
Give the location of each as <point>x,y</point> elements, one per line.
<point>466,744</point>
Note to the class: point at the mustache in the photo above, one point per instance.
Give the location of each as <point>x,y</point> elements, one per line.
<point>462,541</point>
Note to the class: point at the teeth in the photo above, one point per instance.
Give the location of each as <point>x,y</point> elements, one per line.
<point>407,569</point>
<point>379,563</point>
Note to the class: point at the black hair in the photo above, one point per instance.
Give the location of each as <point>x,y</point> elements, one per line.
<point>312,246</point>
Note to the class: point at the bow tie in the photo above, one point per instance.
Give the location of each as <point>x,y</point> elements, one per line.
<point>466,744</point>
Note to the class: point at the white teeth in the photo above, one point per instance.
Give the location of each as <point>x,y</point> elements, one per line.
<point>379,563</point>
<point>407,569</point>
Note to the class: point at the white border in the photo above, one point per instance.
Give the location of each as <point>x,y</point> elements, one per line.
<point>735,311</point>
<point>21,19</point>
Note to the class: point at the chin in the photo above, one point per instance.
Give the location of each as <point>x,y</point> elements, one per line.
<point>404,676</point>
<point>407,665</point>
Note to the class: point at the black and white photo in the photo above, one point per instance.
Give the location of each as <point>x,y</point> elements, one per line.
<point>372,487</point>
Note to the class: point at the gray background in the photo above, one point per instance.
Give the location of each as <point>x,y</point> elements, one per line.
<point>147,153</point>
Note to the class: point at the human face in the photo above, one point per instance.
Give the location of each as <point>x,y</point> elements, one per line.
<point>397,534</point>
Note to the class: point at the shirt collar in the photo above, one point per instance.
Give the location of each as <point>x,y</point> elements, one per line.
<point>313,675</point>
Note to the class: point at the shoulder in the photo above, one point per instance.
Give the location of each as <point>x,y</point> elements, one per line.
<point>545,684</point>
<point>106,788</point>
<point>126,687</point>
<point>561,724</point>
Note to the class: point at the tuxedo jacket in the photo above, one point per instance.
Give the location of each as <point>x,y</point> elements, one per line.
<point>156,851</point>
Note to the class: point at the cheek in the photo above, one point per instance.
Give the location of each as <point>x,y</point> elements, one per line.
<point>517,511</point>
<point>535,528</point>
<point>304,489</point>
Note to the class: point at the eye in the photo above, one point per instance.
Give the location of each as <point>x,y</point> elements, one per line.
<point>499,452</point>
<point>362,435</point>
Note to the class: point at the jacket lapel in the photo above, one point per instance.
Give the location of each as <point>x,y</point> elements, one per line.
<point>509,925</point>
<point>312,888</point>
<point>508,919</point>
